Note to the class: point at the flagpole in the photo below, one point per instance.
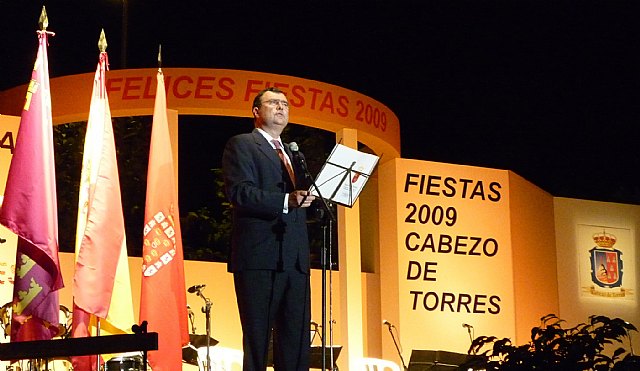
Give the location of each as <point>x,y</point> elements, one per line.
<point>102,46</point>
<point>97,334</point>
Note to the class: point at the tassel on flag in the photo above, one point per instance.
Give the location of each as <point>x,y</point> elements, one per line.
<point>101,283</point>
<point>163,301</point>
<point>30,210</point>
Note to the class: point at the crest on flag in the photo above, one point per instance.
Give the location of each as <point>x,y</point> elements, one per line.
<point>606,261</point>
<point>159,241</point>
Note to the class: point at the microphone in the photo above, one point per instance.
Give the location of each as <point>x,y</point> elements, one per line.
<point>314,323</point>
<point>299,157</point>
<point>467,326</point>
<point>387,323</point>
<point>195,288</point>
<point>295,150</point>
<point>293,146</point>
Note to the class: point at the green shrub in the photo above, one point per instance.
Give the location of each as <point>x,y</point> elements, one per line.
<point>553,348</point>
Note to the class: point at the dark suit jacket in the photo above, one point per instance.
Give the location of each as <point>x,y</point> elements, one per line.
<point>263,237</point>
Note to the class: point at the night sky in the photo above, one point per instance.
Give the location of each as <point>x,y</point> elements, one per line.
<point>547,89</point>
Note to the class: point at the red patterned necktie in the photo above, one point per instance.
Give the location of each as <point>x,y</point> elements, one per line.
<point>286,163</point>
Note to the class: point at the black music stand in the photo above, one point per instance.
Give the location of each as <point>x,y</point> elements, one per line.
<point>190,351</point>
<point>435,360</point>
<point>315,357</point>
<point>343,176</point>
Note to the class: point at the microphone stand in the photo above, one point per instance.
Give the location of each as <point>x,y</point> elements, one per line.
<point>469,327</point>
<point>327,229</point>
<point>315,332</point>
<point>191,319</point>
<point>206,309</point>
<point>323,254</point>
<point>397,347</point>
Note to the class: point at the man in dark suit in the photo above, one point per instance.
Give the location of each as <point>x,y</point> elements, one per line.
<point>269,255</point>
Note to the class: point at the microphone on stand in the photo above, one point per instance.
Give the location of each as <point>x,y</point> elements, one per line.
<point>390,326</point>
<point>295,150</point>
<point>196,288</point>
<point>469,329</point>
<point>299,158</point>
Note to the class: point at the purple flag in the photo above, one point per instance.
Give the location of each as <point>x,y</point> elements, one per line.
<point>30,210</point>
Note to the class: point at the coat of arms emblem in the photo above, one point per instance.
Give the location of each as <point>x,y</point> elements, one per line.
<point>606,261</point>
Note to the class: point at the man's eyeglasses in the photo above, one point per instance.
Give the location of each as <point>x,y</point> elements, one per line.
<point>275,102</point>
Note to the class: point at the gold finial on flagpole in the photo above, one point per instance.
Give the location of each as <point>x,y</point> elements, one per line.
<point>102,43</point>
<point>159,55</point>
<point>43,21</point>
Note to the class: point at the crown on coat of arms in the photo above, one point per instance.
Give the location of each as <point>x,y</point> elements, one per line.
<point>604,239</point>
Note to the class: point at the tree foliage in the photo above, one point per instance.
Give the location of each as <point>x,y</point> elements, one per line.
<point>554,348</point>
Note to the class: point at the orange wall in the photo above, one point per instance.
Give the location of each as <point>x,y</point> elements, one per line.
<point>8,133</point>
<point>466,203</point>
<point>534,259</point>
<point>389,308</point>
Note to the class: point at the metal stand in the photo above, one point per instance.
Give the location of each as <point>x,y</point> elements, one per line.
<point>395,343</point>
<point>140,329</point>
<point>191,319</point>
<point>346,171</point>
<point>206,309</point>
<point>326,246</point>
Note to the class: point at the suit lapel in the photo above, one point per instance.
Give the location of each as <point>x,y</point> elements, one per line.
<point>265,148</point>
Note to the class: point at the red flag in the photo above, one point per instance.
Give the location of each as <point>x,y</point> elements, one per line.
<point>101,275</point>
<point>163,303</point>
<point>30,210</point>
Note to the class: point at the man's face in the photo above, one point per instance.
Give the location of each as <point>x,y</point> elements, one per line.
<point>273,113</point>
